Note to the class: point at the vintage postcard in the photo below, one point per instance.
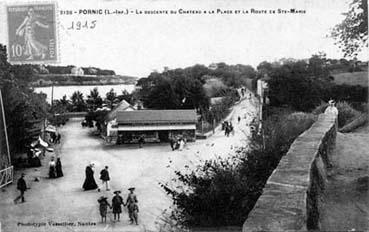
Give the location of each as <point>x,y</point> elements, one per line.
<point>206,115</point>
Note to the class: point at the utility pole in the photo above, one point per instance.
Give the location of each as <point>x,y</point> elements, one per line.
<point>52,94</point>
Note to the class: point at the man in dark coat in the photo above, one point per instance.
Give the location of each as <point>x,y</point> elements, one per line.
<point>117,201</point>
<point>22,187</point>
<point>90,182</point>
<point>104,177</point>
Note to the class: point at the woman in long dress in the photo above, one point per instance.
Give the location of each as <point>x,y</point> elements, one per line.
<point>58,167</point>
<point>32,47</point>
<point>90,182</point>
<point>52,165</point>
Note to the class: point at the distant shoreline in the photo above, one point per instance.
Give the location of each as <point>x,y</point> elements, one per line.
<point>47,80</point>
<point>80,84</point>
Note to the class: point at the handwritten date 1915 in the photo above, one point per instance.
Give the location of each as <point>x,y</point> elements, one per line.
<point>81,25</point>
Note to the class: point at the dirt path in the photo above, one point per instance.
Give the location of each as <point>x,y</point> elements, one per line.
<point>347,195</point>
<point>63,201</point>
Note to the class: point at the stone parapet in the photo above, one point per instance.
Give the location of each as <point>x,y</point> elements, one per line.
<point>291,199</point>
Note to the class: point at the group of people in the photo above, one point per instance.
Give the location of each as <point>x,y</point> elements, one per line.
<point>55,168</point>
<point>243,93</point>
<point>116,205</point>
<point>117,201</point>
<point>33,155</point>
<point>55,137</point>
<point>90,183</point>
<point>228,128</point>
<point>177,143</point>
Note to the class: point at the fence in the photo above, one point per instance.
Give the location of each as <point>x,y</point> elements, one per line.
<point>6,176</point>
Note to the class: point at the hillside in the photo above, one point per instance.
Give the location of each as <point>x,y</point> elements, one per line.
<point>351,78</point>
<point>41,80</point>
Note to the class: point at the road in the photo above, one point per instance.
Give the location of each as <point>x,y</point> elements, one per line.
<point>63,201</point>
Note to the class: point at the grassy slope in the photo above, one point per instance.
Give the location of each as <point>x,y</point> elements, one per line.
<point>354,78</point>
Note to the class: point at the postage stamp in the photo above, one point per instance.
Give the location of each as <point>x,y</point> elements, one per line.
<point>32,33</point>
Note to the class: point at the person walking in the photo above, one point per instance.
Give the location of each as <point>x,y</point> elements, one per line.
<point>181,144</point>
<point>57,139</point>
<point>52,172</point>
<point>131,200</point>
<point>117,201</point>
<point>90,182</point>
<point>239,119</point>
<point>58,168</point>
<point>22,187</point>
<point>103,207</point>
<point>227,130</point>
<point>172,143</point>
<point>141,140</point>
<point>104,177</point>
<point>231,129</point>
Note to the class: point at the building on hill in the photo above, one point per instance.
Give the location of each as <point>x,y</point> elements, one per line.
<point>78,71</point>
<point>154,125</point>
<point>213,66</point>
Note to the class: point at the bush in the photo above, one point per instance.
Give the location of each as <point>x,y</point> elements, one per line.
<point>222,192</point>
<point>346,113</point>
<point>282,131</point>
<point>349,93</point>
<point>320,108</point>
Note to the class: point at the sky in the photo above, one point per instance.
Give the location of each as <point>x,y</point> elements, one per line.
<point>137,44</point>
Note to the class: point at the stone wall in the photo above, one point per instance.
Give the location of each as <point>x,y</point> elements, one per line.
<point>291,199</point>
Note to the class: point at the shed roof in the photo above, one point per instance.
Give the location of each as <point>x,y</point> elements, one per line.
<point>156,116</point>
<point>122,106</point>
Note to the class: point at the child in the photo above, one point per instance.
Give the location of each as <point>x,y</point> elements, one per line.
<point>103,201</point>
<point>116,203</point>
<point>134,210</point>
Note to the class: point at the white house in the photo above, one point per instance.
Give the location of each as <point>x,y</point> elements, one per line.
<point>78,71</point>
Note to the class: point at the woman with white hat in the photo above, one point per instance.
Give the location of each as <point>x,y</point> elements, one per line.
<point>331,109</point>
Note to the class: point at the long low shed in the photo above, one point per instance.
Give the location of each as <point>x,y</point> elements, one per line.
<point>154,125</point>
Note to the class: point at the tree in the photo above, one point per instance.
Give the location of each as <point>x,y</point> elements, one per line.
<point>111,98</point>
<point>352,33</point>
<point>94,100</point>
<point>128,97</point>
<point>61,106</point>
<point>162,96</point>
<point>264,68</point>
<point>78,103</point>
<point>22,106</point>
<point>294,85</point>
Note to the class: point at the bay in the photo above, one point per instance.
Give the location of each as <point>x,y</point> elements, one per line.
<point>60,91</point>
